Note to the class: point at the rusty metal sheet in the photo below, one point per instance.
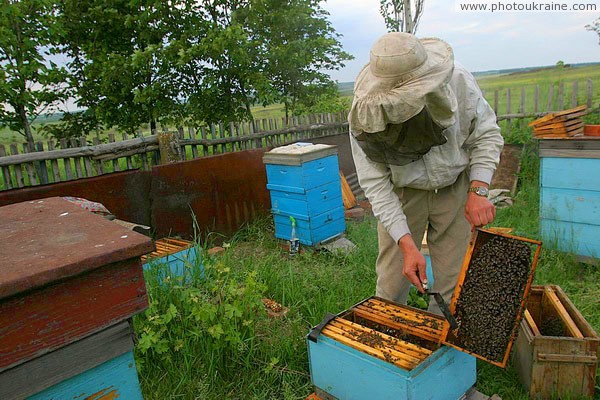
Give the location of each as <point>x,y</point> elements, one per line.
<point>43,241</point>
<point>125,194</point>
<point>223,192</point>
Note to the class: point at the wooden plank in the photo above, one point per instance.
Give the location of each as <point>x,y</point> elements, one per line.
<point>561,96</point>
<point>18,171</point>
<point>192,133</point>
<point>128,158</point>
<point>560,124</point>
<point>99,163</point>
<point>570,374</point>
<point>531,323</point>
<point>544,376</point>
<point>347,196</point>
<point>115,162</point>
<point>571,111</point>
<point>31,173</point>
<point>66,362</point>
<point>213,135</point>
<point>368,350</point>
<point>387,344</point>
<point>550,99</point>
<point>536,99</point>
<point>381,318</point>
<point>5,170</point>
<point>412,321</point>
<point>114,379</point>
<point>590,93</point>
<point>563,314</point>
<point>496,101</point>
<point>77,160</point>
<point>508,106</point>
<point>574,94</point>
<point>86,160</point>
<point>41,167</point>
<point>203,136</point>
<point>410,351</point>
<point>582,324</point>
<point>66,160</point>
<point>182,150</point>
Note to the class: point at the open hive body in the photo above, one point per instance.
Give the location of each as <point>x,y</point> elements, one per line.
<point>173,258</point>
<point>381,350</point>
<point>556,352</point>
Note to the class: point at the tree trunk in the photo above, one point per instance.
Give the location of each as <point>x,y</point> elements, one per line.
<point>408,21</point>
<point>26,126</point>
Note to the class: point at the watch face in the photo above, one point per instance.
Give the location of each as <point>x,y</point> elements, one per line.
<point>482,191</point>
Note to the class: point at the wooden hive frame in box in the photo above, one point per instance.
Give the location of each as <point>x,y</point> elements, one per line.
<point>166,247</point>
<point>556,352</point>
<point>352,329</point>
<point>478,239</point>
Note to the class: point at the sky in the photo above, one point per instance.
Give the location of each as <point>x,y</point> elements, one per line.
<point>481,40</point>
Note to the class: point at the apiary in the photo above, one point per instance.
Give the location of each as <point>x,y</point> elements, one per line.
<point>380,349</point>
<point>304,183</point>
<point>69,282</point>
<point>556,352</point>
<point>570,195</point>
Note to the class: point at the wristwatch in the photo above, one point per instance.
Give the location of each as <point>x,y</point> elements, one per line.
<point>479,190</point>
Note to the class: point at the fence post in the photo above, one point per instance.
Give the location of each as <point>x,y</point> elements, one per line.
<point>574,94</point>
<point>42,170</point>
<point>589,93</point>
<point>536,99</point>
<point>168,144</point>
<point>561,96</point>
<point>5,170</point>
<point>550,99</point>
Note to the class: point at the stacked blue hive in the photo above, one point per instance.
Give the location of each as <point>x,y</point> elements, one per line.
<point>304,183</point>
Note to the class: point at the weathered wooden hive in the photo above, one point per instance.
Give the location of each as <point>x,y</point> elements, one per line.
<point>556,352</point>
<point>70,281</point>
<point>383,350</point>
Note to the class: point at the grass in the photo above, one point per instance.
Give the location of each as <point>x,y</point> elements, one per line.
<point>217,343</point>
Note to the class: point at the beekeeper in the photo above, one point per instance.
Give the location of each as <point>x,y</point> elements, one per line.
<point>425,144</point>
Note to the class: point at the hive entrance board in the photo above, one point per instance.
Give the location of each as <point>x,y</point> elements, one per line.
<point>397,334</point>
<point>490,295</point>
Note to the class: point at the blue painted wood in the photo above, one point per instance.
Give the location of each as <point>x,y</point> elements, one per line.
<point>579,239</point>
<point>570,173</point>
<point>349,374</point>
<point>117,378</point>
<point>581,206</point>
<point>306,176</point>
<point>308,203</point>
<point>570,204</point>
<point>184,264</point>
<point>312,230</point>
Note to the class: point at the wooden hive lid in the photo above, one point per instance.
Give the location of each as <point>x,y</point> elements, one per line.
<point>478,238</point>
<point>47,240</point>
<point>298,153</point>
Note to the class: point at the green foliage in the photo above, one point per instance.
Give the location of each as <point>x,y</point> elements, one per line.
<point>213,314</point>
<point>328,102</point>
<point>71,126</point>
<point>30,82</point>
<point>594,27</point>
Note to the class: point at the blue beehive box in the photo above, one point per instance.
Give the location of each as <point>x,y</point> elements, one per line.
<point>382,350</point>
<point>304,183</point>
<point>174,259</point>
<point>570,195</point>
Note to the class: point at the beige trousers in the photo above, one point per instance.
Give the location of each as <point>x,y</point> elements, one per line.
<point>448,233</point>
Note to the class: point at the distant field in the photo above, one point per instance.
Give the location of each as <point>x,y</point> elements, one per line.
<point>488,81</point>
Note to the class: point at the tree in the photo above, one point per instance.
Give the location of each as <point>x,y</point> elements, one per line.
<point>401,15</point>
<point>594,27</point>
<point>122,59</point>
<point>30,82</point>
<point>298,46</point>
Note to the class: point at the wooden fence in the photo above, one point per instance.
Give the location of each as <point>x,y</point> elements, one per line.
<point>50,163</point>
<point>78,158</point>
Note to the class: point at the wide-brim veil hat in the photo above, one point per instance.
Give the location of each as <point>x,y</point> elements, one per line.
<point>404,75</point>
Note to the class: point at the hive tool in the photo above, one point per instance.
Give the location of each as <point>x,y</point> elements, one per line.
<point>441,304</point>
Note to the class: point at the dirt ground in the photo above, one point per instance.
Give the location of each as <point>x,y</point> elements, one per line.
<point>506,174</point>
